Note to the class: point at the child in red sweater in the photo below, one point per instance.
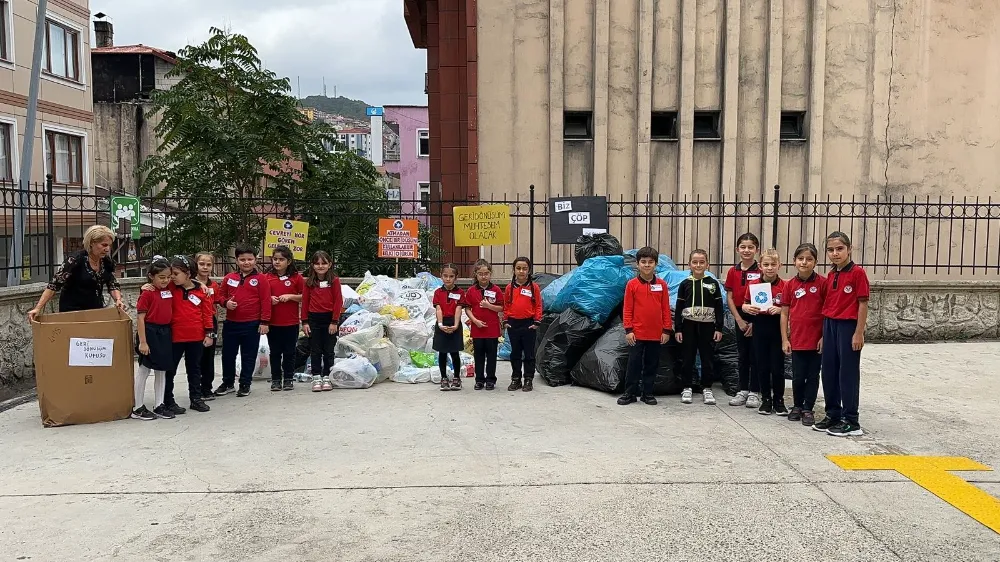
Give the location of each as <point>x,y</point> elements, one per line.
<point>287,287</point>
<point>153,342</point>
<point>802,332</point>
<point>648,325</point>
<point>322,303</point>
<point>191,329</point>
<point>484,303</point>
<point>449,337</point>
<point>205,262</point>
<point>248,304</point>
<point>523,313</point>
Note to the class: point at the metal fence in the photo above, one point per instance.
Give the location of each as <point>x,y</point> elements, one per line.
<point>894,237</point>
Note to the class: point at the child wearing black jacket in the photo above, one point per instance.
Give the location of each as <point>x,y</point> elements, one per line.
<point>698,318</point>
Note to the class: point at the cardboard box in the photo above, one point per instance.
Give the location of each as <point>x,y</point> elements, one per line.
<point>83,366</point>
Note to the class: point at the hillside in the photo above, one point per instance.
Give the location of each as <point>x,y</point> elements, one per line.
<point>354,109</point>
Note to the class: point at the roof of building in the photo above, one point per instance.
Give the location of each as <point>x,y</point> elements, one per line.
<point>165,56</point>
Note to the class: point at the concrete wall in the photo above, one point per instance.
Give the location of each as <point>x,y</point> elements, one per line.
<point>410,167</point>
<point>124,136</point>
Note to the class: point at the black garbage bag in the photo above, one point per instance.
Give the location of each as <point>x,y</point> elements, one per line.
<point>591,246</point>
<point>301,354</point>
<point>567,339</point>
<point>668,376</point>
<point>727,361</point>
<point>604,365</point>
<point>543,328</point>
<point>543,279</point>
<point>788,367</point>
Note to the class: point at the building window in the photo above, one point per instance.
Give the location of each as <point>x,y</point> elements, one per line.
<point>663,125</point>
<point>6,153</point>
<point>64,158</point>
<point>793,126</point>
<point>578,125</point>
<point>425,194</point>
<point>5,31</point>
<point>62,51</point>
<point>423,143</point>
<point>706,125</point>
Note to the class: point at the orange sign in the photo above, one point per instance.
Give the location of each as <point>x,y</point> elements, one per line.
<point>398,238</point>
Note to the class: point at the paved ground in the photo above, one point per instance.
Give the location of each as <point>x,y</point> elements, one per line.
<point>409,473</point>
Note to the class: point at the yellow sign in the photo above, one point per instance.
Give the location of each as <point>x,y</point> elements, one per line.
<point>482,225</point>
<point>281,232</point>
<point>934,475</point>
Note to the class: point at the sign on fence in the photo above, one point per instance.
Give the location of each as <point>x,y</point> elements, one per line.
<point>398,238</point>
<point>125,208</point>
<point>283,232</point>
<point>572,217</point>
<point>482,225</point>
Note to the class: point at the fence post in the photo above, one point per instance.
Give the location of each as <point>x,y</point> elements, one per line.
<point>774,217</point>
<point>50,223</point>
<point>531,223</point>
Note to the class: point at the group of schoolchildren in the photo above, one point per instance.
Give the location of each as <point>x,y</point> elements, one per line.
<point>819,321</point>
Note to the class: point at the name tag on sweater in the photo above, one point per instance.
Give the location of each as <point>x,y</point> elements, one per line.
<point>490,294</point>
<point>232,282</point>
<point>525,292</point>
<point>194,300</point>
<point>454,296</point>
<point>324,284</point>
<point>166,295</point>
<point>656,288</point>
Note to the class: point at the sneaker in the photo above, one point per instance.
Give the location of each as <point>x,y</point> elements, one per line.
<point>779,408</point>
<point>825,424</point>
<point>709,396</point>
<point>243,391</point>
<point>175,409</point>
<point>142,413</point>
<point>753,400</point>
<point>208,395</point>
<point>317,385</point>
<point>808,418</point>
<point>740,399</point>
<point>766,407</point>
<point>479,386</point>
<point>515,384</point>
<point>456,382</point>
<point>795,414</point>
<point>845,429</point>
<point>686,396</point>
<point>626,399</point>
<point>288,385</point>
<point>225,389</point>
<point>528,385</point>
<point>326,384</point>
<point>491,386</point>
<point>199,406</point>
<point>163,412</point>
<point>650,400</point>
<point>275,386</point>
<point>445,384</point>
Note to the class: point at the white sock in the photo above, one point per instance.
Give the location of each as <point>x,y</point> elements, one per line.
<point>159,386</point>
<point>140,386</point>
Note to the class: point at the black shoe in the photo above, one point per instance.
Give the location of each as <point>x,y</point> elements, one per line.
<point>456,382</point>
<point>795,414</point>
<point>288,385</point>
<point>528,385</point>
<point>142,413</point>
<point>275,386</point>
<point>779,408</point>
<point>824,424</point>
<point>626,399</point>
<point>243,391</point>
<point>164,412</point>
<point>199,406</point>
<point>515,384</point>
<point>445,384</point>
<point>766,407</point>
<point>651,400</point>
<point>175,408</point>
<point>845,429</point>
<point>479,385</point>
<point>808,418</point>
<point>224,389</point>
<point>491,386</point>
<point>207,395</point>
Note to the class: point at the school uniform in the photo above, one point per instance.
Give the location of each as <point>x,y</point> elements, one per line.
<point>804,300</point>
<point>157,306</point>
<point>192,322</point>
<point>646,315</point>
<point>523,314</point>
<point>698,314</point>
<point>214,292</point>
<point>767,347</point>
<point>321,308</point>
<point>738,281</point>
<point>846,288</point>
<point>240,331</point>
<point>283,333</point>
<point>485,340</point>
<point>449,300</point>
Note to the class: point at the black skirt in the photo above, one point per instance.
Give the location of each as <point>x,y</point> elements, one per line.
<point>161,348</point>
<point>449,343</point>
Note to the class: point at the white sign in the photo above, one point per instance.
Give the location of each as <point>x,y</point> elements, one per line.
<point>85,352</point>
<point>579,218</point>
<point>564,206</point>
<point>593,231</point>
<point>760,296</point>
<point>393,194</point>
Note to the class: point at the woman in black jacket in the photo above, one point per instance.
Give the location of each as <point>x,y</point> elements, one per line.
<point>81,279</point>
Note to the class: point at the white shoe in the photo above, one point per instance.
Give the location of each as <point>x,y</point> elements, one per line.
<point>317,385</point>
<point>686,396</point>
<point>753,400</point>
<point>709,397</point>
<point>740,399</point>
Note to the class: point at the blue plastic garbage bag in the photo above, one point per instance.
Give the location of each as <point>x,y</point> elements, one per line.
<point>432,281</point>
<point>503,353</point>
<point>596,288</point>
<point>674,279</point>
<point>551,292</point>
<point>664,263</point>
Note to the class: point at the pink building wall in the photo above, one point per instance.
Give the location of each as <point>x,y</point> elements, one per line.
<point>410,167</point>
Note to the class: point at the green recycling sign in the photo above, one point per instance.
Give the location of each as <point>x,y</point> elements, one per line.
<point>125,208</point>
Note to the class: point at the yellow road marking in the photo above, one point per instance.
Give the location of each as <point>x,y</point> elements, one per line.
<point>933,474</point>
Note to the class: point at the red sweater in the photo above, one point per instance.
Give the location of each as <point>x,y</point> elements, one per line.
<point>193,310</point>
<point>285,313</point>
<point>252,295</point>
<point>522,302</point>
<point>804,299</point>
<point>493,295</point>
<point>157,305</point>
<point>647,309</point>
<point>325,297</point>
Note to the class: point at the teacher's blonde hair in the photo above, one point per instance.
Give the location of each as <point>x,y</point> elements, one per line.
<point>95,234</point>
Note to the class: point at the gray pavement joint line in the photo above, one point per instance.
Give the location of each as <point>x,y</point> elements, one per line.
<point>857,520</point>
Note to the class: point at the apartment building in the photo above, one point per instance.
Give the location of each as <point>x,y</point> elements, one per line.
<point>407,152</point>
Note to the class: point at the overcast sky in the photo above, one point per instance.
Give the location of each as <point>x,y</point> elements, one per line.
<point>361,46</point>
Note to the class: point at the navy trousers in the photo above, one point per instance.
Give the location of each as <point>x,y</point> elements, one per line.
<point>841,370</point>
<point>243,339</point>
